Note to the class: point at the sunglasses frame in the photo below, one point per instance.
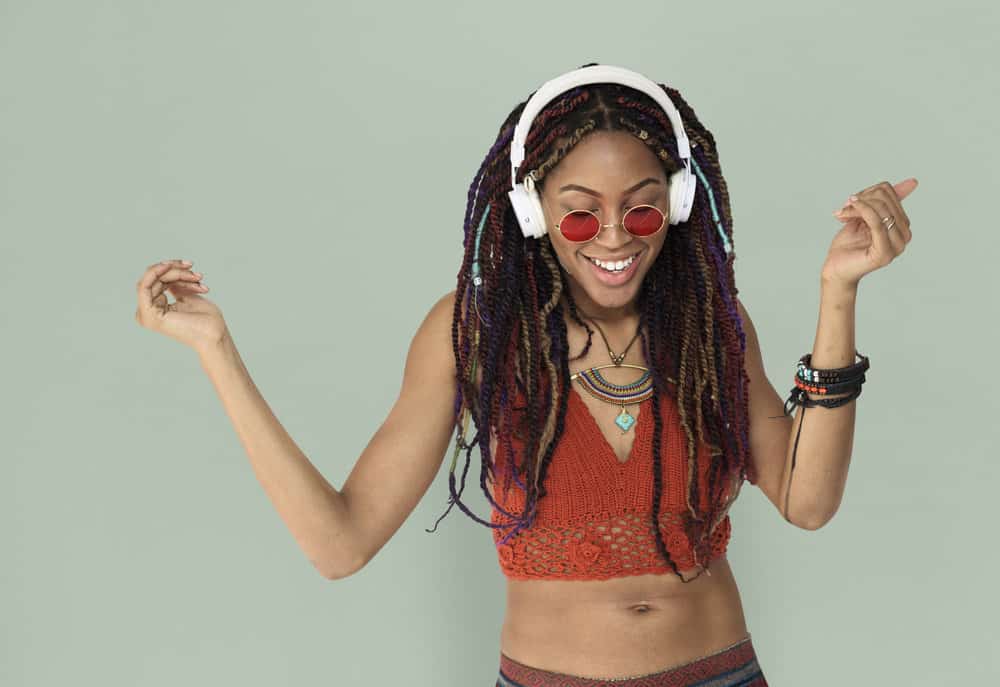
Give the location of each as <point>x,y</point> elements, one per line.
<point>621,223</point>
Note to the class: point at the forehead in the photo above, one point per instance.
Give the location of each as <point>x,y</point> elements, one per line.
<point>606,161</point>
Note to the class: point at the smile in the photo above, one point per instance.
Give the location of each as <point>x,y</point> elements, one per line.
<point>615,273</point>
<point>613,267</point>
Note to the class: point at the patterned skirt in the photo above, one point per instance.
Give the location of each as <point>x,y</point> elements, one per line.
<point>734,666</point>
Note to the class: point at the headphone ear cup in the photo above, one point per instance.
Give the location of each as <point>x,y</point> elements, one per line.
<point>526,211</point>
<point>538,213</point>
<point>527,205</point>
<point>682,187</point>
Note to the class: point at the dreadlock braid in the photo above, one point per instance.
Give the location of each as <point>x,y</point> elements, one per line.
<point>509,329</point>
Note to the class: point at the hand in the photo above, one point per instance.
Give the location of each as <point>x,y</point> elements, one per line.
<point>864,245</point>
<point>193,319</point>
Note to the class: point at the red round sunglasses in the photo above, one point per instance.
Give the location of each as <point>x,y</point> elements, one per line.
<point>581,226</point>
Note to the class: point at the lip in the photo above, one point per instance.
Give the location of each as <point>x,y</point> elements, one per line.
<point>615,279</point>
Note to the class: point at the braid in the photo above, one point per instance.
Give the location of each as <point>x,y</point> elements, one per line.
<point>511,327</point>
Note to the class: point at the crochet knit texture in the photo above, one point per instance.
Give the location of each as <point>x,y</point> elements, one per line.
<point>595,521</point>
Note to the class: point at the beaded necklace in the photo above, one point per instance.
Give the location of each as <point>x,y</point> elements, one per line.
<point>617,394</point>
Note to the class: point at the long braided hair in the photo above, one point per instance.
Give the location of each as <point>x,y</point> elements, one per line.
<point>511,300</point>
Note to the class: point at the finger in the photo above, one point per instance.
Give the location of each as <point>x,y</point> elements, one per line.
<point>887,194</point>
<point>177,261</point>
<point>902,219</point>
<point>900,190</point>
<point>884,210</point>
<point>881,241</point>
<point>162,268</point>
<point>893,207</point>
<point>881,206</point>
<point>905,187</point>
<point>180,288</point>
<point>145,285</point>
<point>184,280</point>
<point>152,282</point>
<point>852,211</point>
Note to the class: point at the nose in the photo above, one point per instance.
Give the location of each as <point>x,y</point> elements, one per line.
<point>614,235</point>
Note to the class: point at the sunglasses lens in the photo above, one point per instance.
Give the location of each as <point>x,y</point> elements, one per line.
<point>579,226</point>
<point>643,220</point>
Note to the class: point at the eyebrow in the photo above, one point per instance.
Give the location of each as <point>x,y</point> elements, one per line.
<point>632,189</point>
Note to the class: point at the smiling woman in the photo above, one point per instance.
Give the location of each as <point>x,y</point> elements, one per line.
<point>611,464</point>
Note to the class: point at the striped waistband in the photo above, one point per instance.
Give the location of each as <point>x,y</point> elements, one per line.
<point>733,666</point>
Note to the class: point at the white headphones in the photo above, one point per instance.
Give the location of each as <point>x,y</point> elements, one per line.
<point>524,198</point>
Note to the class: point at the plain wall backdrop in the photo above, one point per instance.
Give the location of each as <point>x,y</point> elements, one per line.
<point>313,160</point>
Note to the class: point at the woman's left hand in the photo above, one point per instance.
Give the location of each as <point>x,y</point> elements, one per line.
<point>864,245</point>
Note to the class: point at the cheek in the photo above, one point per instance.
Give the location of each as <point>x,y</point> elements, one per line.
<point>564,252</point>
<point>654,250</point>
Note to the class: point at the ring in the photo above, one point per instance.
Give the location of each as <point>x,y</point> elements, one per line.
<point>889,221</point>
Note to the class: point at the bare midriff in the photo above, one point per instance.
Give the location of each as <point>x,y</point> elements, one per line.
<point>622,626</point>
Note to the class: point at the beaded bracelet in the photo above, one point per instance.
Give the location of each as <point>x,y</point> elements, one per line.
<point>833,388</point>
<point>807,373</point>
<point>800,397</point>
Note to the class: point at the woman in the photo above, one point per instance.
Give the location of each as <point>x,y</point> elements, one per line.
<point>612,461</point>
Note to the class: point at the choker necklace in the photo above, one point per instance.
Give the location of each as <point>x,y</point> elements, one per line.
<point>617,394</point>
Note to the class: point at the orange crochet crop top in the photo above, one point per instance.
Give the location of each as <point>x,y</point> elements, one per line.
<point>595,521</point>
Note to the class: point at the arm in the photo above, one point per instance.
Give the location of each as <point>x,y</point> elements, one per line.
<point>826,441</point>
<point>341,530</point>
<point>824,444</point>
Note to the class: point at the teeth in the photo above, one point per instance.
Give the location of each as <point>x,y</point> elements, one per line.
<point>613,266</point>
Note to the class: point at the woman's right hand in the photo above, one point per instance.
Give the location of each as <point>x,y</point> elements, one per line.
<point>192,319</point>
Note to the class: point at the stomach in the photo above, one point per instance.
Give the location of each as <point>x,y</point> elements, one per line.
<point>623,626</point>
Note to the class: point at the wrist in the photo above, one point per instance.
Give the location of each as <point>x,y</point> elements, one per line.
<point>219,348</point>
<point>838,287</point>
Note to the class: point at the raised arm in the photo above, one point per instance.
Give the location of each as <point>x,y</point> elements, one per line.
<point>341,530</point>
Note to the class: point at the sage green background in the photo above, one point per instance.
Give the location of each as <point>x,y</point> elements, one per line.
<point>313,159</point>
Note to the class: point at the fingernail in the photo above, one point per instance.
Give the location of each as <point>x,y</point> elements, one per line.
<point>853,198</point>
<point>186,262</point>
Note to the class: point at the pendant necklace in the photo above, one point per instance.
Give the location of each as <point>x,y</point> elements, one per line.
<point>621,395</point>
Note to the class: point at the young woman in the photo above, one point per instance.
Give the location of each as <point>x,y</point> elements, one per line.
<point>611,460</point>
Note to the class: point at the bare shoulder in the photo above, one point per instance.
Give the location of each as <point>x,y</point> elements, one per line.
<point>432,351</point>
<point>442,313</point>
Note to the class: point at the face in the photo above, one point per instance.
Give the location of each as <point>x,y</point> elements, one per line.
<point>600,174</point>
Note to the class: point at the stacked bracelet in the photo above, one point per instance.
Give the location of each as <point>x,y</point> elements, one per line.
<point>810,380</point>
<point>822,381</point>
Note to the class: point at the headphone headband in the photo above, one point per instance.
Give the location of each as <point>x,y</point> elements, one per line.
<point>600,73</point>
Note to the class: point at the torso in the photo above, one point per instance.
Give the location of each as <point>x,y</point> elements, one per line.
<point>622,626</point>
<point>627,625</point>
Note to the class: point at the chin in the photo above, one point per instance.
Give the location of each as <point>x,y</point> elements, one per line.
<point>619,298</point>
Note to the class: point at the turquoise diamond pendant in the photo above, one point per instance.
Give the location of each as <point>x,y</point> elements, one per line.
<point>625,420</point>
